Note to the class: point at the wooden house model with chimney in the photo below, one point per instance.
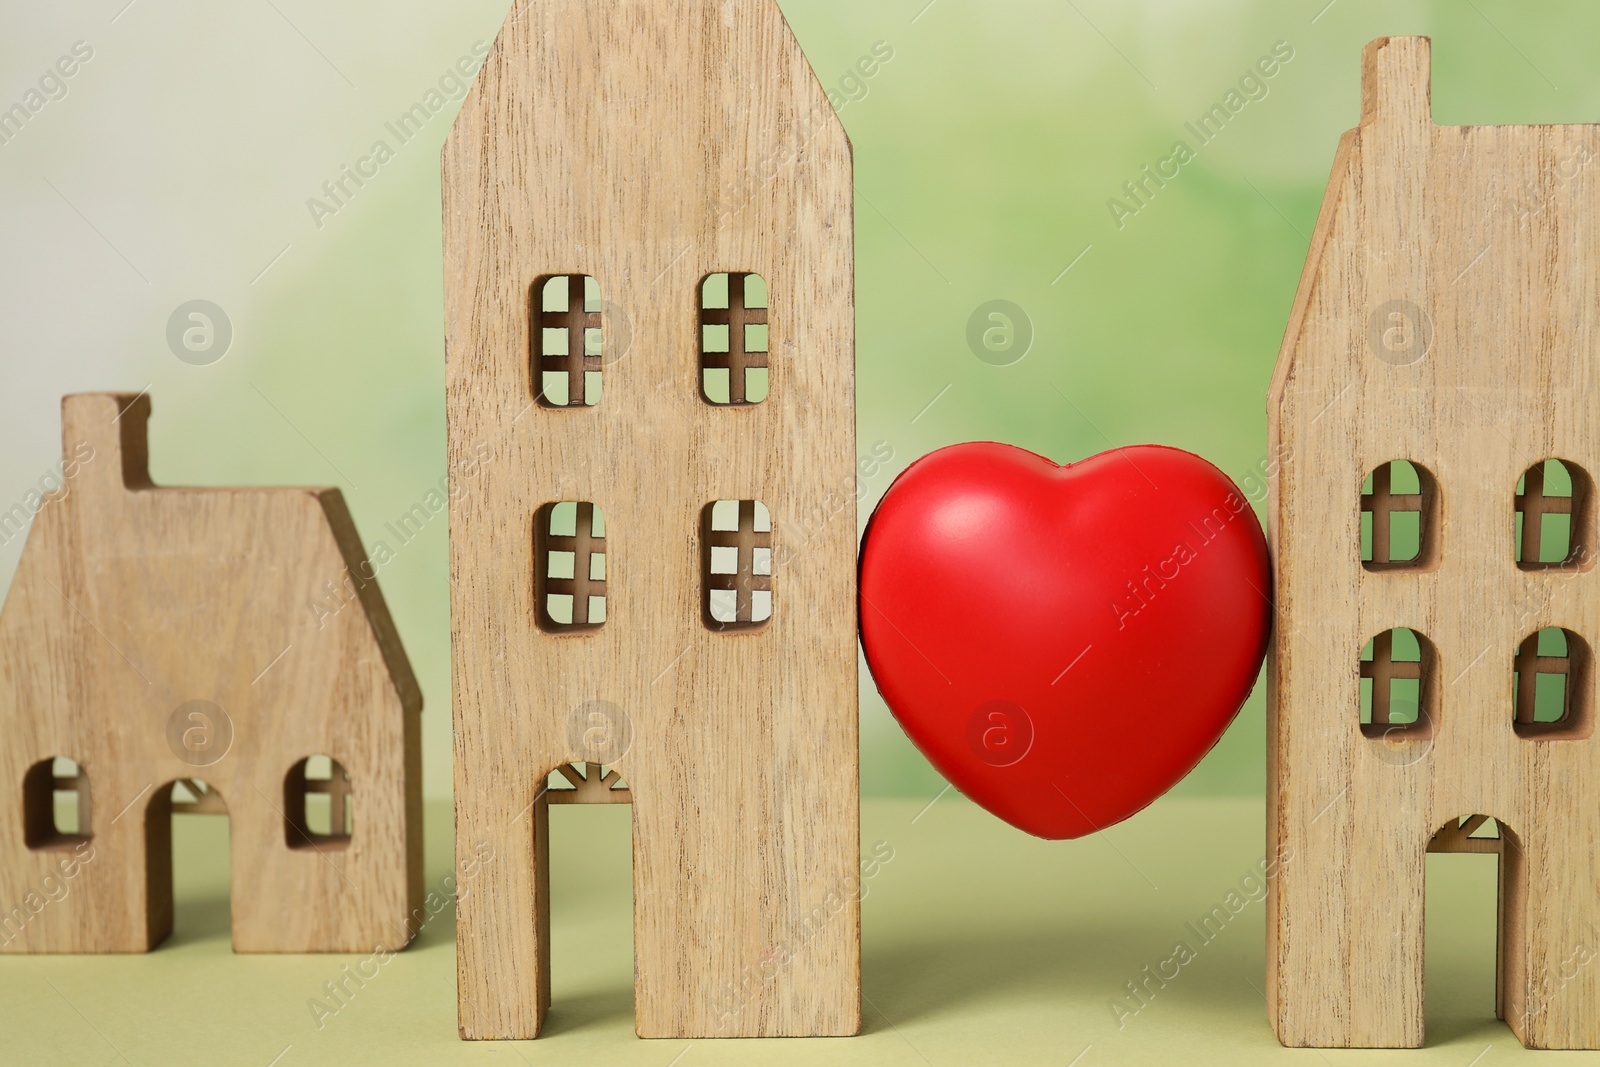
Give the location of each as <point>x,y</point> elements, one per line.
<point>161,652</point>
<point>1436,423</point>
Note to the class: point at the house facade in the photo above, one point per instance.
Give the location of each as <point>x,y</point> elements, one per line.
<point>159,653</point>
<point>650,373</point>
<point>1434,415</point>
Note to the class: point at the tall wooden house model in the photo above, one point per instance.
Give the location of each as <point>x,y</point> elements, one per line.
<point>650,315</point>
<point>1436,412</point>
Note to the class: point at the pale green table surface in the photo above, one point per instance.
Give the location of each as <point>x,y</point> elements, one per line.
<point>981,945</point>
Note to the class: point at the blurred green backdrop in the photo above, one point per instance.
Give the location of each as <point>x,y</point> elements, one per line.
<point>177,162</point>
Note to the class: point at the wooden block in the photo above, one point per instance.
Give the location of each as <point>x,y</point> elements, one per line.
<point>209,640</point>
<point>1448,317</point>
<point>612,159</point>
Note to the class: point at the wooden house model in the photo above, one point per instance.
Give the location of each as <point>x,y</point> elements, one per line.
<point>1435,416</point>
<point>650,316</point>
<point>161,651</point>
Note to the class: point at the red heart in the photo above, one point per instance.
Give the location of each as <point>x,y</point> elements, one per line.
<point>1064,643</point>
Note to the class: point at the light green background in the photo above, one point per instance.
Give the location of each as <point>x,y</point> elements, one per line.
<point>178,167</point>
<point>180,163</point>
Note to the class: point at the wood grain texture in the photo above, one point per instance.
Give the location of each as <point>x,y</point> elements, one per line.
<point>1485,242</point>
<point>131,603</point>
<point>649,144</point>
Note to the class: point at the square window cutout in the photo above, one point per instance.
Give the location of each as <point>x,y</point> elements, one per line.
<point>737,535</point>
<point>735,342</point>
<point>570,341</point>
<point>570,560</point>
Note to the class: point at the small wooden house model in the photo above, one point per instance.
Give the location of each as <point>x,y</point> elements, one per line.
<point>162,650</point>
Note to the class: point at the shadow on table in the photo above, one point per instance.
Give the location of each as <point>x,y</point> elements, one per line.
<point>601,1009</point>
<point>199,919</point>
<point>910,983</point>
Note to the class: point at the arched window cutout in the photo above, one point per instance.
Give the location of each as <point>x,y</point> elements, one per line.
<point>735,342</point>
<point>1399,518</point>
<point>1554,522</point>
<point>1554,690</point>
<point>570,561</point>
<point>737,564</point>
<point>1397,685</point>
<point>569,341</point>
<point>317,803</point>
<point>55,804</point>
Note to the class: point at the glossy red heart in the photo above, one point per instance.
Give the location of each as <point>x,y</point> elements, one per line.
<point>1064,643</point>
